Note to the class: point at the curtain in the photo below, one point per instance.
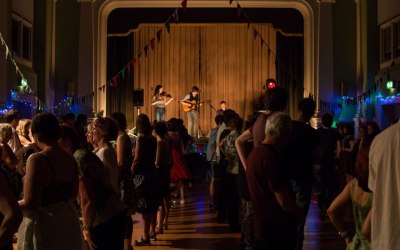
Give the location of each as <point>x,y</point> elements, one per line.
<point>226,61</point>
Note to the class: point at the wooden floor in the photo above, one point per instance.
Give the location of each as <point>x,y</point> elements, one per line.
<point>193,226</point>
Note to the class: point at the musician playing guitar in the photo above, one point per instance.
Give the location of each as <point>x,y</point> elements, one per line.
<point>191,104</point>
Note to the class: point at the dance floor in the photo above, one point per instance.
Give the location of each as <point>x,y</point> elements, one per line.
<point>193,226</point>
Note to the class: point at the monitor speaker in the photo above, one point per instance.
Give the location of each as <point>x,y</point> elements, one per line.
<point>138,97</point>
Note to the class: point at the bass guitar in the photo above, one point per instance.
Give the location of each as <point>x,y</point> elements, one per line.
<point>193,105</point>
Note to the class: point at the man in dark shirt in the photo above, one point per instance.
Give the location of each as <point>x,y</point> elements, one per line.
<point>275,210</point>
<point>299,154</point>
<point>325,164</point>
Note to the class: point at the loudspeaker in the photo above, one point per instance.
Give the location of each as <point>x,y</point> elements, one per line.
<point>138,97</point>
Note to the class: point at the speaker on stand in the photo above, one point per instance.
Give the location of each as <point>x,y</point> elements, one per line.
<point>138,99</point>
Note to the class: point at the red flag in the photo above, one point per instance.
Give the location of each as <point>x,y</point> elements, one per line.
<point>153,43</point>
<point>115,81</point>
<point>159,35</point>
<point>239,10</point>
<point>134,64</point>
<point>184,5</point>
<point>230,1</point>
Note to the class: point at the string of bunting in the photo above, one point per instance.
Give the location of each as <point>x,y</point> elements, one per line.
<point>132,65</point>
<point>24,81</point>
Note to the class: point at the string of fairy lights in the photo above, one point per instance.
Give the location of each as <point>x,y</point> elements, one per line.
<point>67,103</point>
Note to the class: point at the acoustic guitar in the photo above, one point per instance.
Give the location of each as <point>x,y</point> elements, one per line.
<point>193,105</point>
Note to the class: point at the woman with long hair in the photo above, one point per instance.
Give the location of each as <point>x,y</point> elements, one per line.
<point>123,147</point>
<point>50,190</point>
<point>160,100</point>
<point>146,197</point>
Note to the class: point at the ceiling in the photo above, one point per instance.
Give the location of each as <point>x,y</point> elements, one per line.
<point>122,20</point>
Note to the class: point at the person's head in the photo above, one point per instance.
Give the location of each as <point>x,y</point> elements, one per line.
<point>23,127</point>
<point>348,129</point>
<point>105,129</point>
<point>89,133</point>
<point>306,109</point>
<point>5,133</point>
<point>228,114</point>
<point>45,128</point>
<point>373,128</point>
<point>362,165</point>
<point>236,123</point>
<point>195,90</point>
<point>69,119</point>
<point>276,99</point>
<point>143,125</point>
<point>12,117</point>
<point>120,119</point>
<point>219,119</point>
<point>222,104</point>
<point>327,120</point>
<point>160,128</point>
<point>68,140</point>
<point>362,131</point>
<point>278,128</point>
<point>158,89</point>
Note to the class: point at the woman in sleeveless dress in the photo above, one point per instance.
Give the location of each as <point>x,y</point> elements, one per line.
<point>50,189</point>
<point>357,193</point>
<point>123,147</point>
<point>146,197</point>
<point>180,172</point>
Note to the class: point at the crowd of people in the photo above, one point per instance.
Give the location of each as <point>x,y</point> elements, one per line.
<point>67,184</point>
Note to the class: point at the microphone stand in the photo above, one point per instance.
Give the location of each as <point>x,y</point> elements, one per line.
<point>199,132</point>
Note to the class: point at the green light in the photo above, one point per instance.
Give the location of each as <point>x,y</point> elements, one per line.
<point>24,82</point>
<point>389,84</point>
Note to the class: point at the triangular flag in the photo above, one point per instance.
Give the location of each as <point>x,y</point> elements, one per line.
<point>175,16</point>
<point>159,35</point>
<point>230,1</point>
<point>239,10</point>
<point>184,5</point>
<point>146,48</point>
<point>255,33</point>
<point>115,81</point>
<point>168,25</point>
<point>248,24</point>
<point>153,43</point>
<point>134,64</point>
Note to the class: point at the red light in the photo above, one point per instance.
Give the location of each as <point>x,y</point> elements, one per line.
<point>271,85</point>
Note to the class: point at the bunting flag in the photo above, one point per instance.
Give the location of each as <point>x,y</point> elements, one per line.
<point>230,2</point>
<point>152,43</point>
<point>168,25</point>
<point>115,81</point>
<point>248,25</point>
<point>175,16</point>
<point>146,48</point>
<point>184,5</point>
<point>239,10</point>
<point>255,34</point>
<point>159,35</point>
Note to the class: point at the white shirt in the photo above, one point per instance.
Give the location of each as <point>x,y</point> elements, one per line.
<point>219,132</point>
<point>384,181</point>
<point>109,158</point>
